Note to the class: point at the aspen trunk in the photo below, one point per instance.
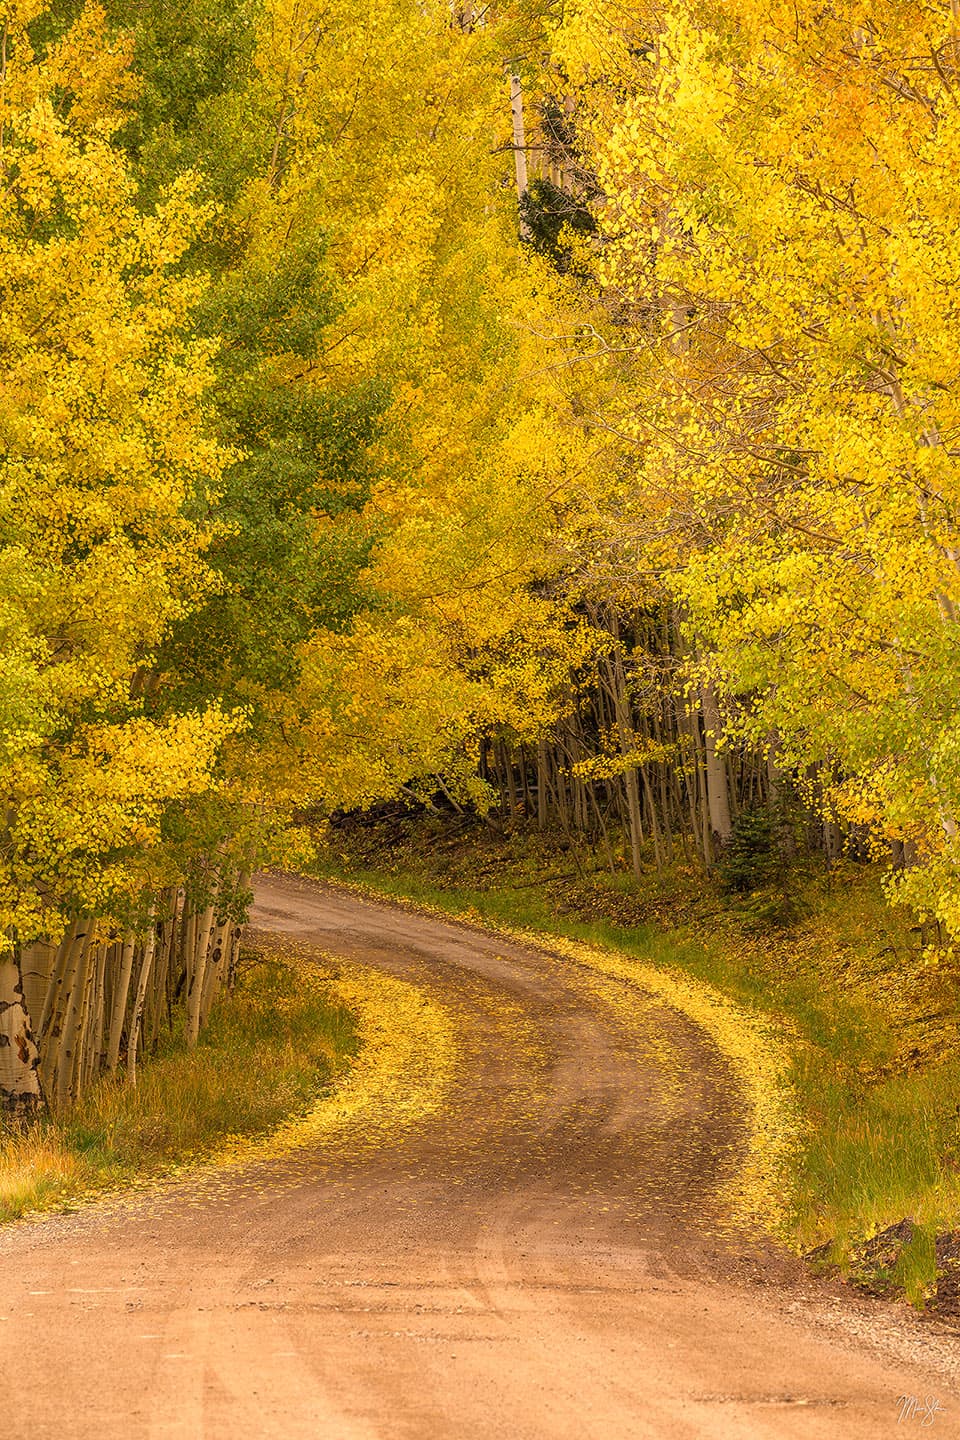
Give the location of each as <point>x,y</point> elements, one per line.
<point>59,980</point>
<point>511,786</point>
<point>74,1002</point>
<point>121,995</point>
<point>773,774</point>
<point>157,1007</point>
<point>188,932</point>
<point>216,970</point>
<point>519,148</point>
<point>141,995</point>
<point>197,973</point>
<point>625,732</point>
<point>543,798</point>
<point>233,955</point>
<point>654,827</point>
<point>703,804</point>
<point>38,963</point>
<point>20,1092</point>
<point>236,934</point>
<point>94,1026</point>
<point>525,783</point>
<point>718,800</point>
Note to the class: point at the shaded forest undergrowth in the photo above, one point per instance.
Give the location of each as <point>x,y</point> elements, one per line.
<point>876,1055</point>
<point>271,1048</point>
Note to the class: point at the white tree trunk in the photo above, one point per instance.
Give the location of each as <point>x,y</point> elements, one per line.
<point>718,799</point>
<point>519,146</point>
<point>19,1058</point>
<point>141,995</point>
<point>197,974</point>
<point>37,968</point>
<point>74,1003</point>
<point>216,969</point>
<point>121,995</point>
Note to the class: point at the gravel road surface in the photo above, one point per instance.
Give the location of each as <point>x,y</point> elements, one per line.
<point>542,1258</point>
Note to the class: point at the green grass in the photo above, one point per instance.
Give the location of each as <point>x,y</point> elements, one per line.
<point>269,1051</point>
<point>876,1067</point>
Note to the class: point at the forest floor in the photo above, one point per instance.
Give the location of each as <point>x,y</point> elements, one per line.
<point>272,1047</point>
<point>868,1014</point>
<point>515,1216</point>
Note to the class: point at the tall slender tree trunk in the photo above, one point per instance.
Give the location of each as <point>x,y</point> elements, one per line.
<point>543,796</point>
<point>519,148</point>
<point>59,980</point>
<point>216,969</point>
<point>121,995</point>
<point>93,1039</point>
<point>617,681</point>
<point>142,981</point>
<point>525,783</point>
<point>74,1003</point>
<point>654,827</point>
<point>38,962</point>
<point>20,1092</point>
<point>718,799</point>
<point>511,785</point>
<point>197,975</point>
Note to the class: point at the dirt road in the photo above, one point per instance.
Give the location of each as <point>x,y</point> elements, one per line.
<point>543,1258</point>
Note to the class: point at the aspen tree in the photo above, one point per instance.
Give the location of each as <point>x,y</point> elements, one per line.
<point>780,184</point>
<point>104,454</point>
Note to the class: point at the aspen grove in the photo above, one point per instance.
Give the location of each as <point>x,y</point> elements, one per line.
<point>546,409</point>
<point>261,545</point>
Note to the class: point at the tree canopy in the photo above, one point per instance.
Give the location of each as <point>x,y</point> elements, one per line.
<point>542,399</point>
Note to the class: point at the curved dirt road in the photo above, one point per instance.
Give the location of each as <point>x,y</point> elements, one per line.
<point>544,1257</point>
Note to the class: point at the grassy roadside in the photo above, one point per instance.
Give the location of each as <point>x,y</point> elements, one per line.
<point>269,1051</point>
<point>876,1034</point>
